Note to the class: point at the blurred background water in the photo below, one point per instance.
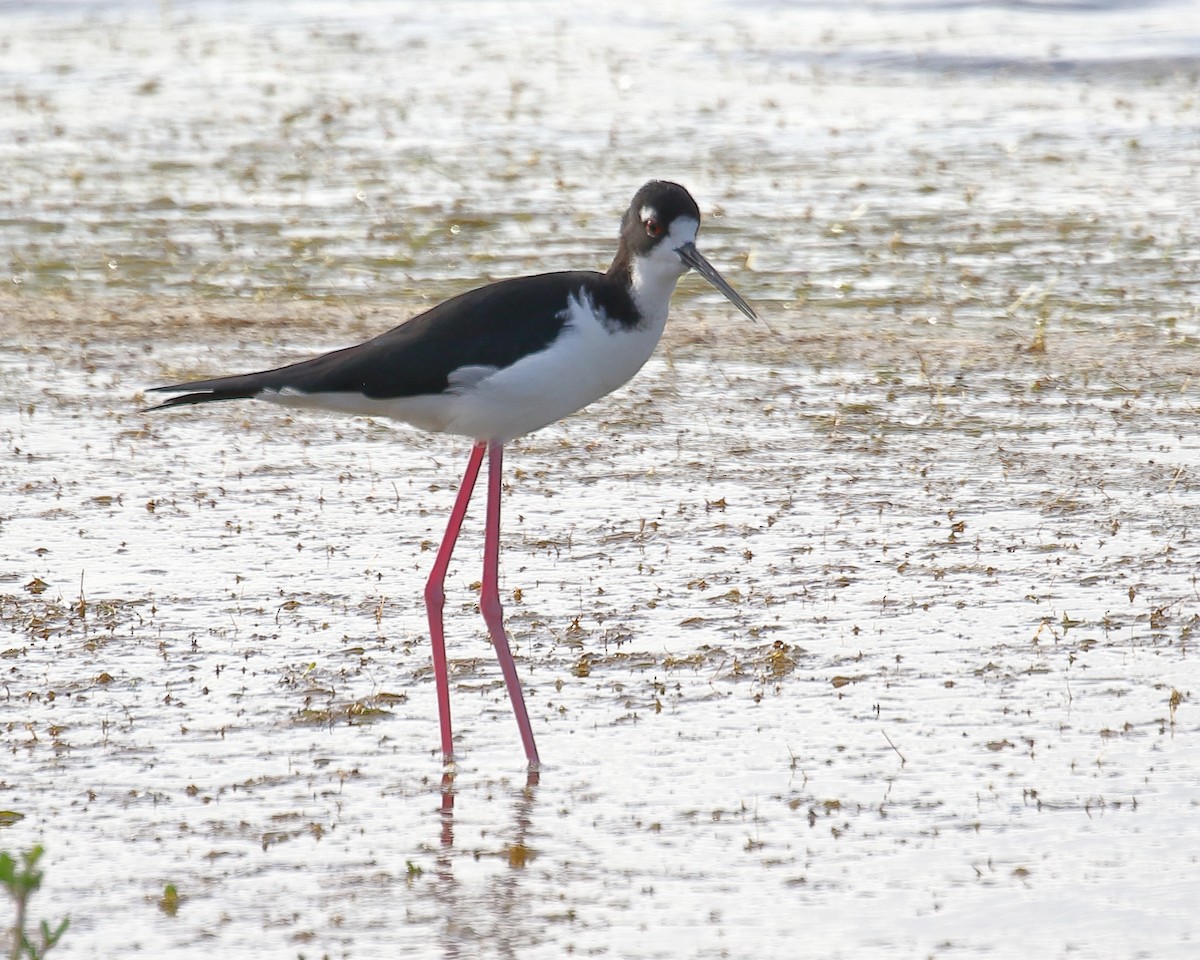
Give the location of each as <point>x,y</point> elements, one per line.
<point>931,158</point>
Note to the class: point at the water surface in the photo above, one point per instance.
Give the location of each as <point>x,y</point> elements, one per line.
<point>870,634</point>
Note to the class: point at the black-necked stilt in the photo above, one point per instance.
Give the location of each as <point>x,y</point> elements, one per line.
<point>496,363</point>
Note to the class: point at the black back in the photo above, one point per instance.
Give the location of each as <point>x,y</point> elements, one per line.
<point>494,326</point>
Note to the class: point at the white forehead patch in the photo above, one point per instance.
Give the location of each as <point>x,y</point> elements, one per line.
<point>648,213</point>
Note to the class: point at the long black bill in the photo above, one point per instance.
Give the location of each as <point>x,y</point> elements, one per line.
<point>694,259</point>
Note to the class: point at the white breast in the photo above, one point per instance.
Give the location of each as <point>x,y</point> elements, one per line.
<point>588,360</point>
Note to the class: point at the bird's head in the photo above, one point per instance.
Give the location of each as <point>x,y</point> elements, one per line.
<point>658,235</point>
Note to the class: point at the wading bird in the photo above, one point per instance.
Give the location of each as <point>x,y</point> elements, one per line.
<point>497,363</point>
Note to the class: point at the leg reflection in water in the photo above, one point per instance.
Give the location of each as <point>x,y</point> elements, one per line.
<point>494,915</point>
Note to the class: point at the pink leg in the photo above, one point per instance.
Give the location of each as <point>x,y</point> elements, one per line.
<point>489,600</point>
<point>435,596</point>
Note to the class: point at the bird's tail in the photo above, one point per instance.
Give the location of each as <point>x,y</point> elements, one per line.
<point>242,387</point>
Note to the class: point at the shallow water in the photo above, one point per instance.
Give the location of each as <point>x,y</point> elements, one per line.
<point>869,636</point>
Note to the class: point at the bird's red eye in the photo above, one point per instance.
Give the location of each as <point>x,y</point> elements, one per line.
<point>653,228</point>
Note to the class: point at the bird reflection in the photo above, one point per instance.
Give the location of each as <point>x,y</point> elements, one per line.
<point>496,913</point>
<point>447,812</point>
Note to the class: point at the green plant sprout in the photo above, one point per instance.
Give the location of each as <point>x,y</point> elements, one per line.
<point>22,883</point>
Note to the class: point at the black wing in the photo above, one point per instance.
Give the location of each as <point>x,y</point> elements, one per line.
<point>494,326</point>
